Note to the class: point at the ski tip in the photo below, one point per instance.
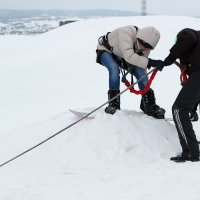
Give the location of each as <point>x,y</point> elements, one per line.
<point>81,114</point>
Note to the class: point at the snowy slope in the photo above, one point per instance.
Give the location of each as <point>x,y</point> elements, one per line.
<point>111,157</point>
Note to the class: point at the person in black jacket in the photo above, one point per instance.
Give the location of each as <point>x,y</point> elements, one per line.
<point>187,50</point>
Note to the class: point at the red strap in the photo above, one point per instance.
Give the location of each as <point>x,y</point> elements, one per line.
<point>132,89</point>
<point>183,74</point>
<point>146,87</point>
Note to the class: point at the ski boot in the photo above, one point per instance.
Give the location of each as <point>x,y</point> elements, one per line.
<point>148,105</point>
<point>115,104</point>
<point>193,115</point>
<point>184,157</point>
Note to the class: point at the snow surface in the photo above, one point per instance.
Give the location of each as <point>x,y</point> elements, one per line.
<point>119,157</point>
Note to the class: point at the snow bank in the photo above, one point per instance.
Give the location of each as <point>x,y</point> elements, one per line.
<point>122,156</point>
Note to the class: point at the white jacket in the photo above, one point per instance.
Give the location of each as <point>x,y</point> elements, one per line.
<point>123,40</point>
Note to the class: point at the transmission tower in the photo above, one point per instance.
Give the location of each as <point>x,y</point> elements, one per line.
<point>143,7</point>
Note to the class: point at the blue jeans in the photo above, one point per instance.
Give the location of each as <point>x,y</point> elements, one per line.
<point>109,62</point>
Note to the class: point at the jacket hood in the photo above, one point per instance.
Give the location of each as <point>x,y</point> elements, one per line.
<point>149,35</point>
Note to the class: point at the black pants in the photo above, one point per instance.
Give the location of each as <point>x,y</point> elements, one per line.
<point>183,105</point>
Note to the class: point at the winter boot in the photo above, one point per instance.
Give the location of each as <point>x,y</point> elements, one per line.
<point>194,116</point>
<point>114,104</point>
<point>148,105</point>
<point>184,157</point>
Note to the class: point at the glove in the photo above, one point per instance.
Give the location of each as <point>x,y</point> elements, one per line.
<point>169,60</point>
<point>159,64</point>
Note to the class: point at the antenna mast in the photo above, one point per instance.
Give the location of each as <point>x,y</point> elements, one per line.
<point>143,7</point>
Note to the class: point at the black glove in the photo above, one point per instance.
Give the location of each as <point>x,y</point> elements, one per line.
<point>169,60</point>
<point>159,64</point>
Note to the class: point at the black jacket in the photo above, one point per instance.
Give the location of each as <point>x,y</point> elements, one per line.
<point>187,49</point>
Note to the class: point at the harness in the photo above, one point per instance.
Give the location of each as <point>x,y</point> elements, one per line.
<point>103,40</point>
<point>132,89</point>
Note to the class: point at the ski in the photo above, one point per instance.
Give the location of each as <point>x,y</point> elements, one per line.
<point>93,115</point>
<point>82,114</point>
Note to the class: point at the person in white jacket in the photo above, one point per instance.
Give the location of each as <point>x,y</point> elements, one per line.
<point>129,47</point>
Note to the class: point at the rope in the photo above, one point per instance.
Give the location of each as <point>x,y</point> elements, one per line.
<point>184,77</point>
<point>69,126</point>
<point>148,85</point>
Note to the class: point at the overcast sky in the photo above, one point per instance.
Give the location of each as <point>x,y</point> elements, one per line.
<point>165,7</point>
